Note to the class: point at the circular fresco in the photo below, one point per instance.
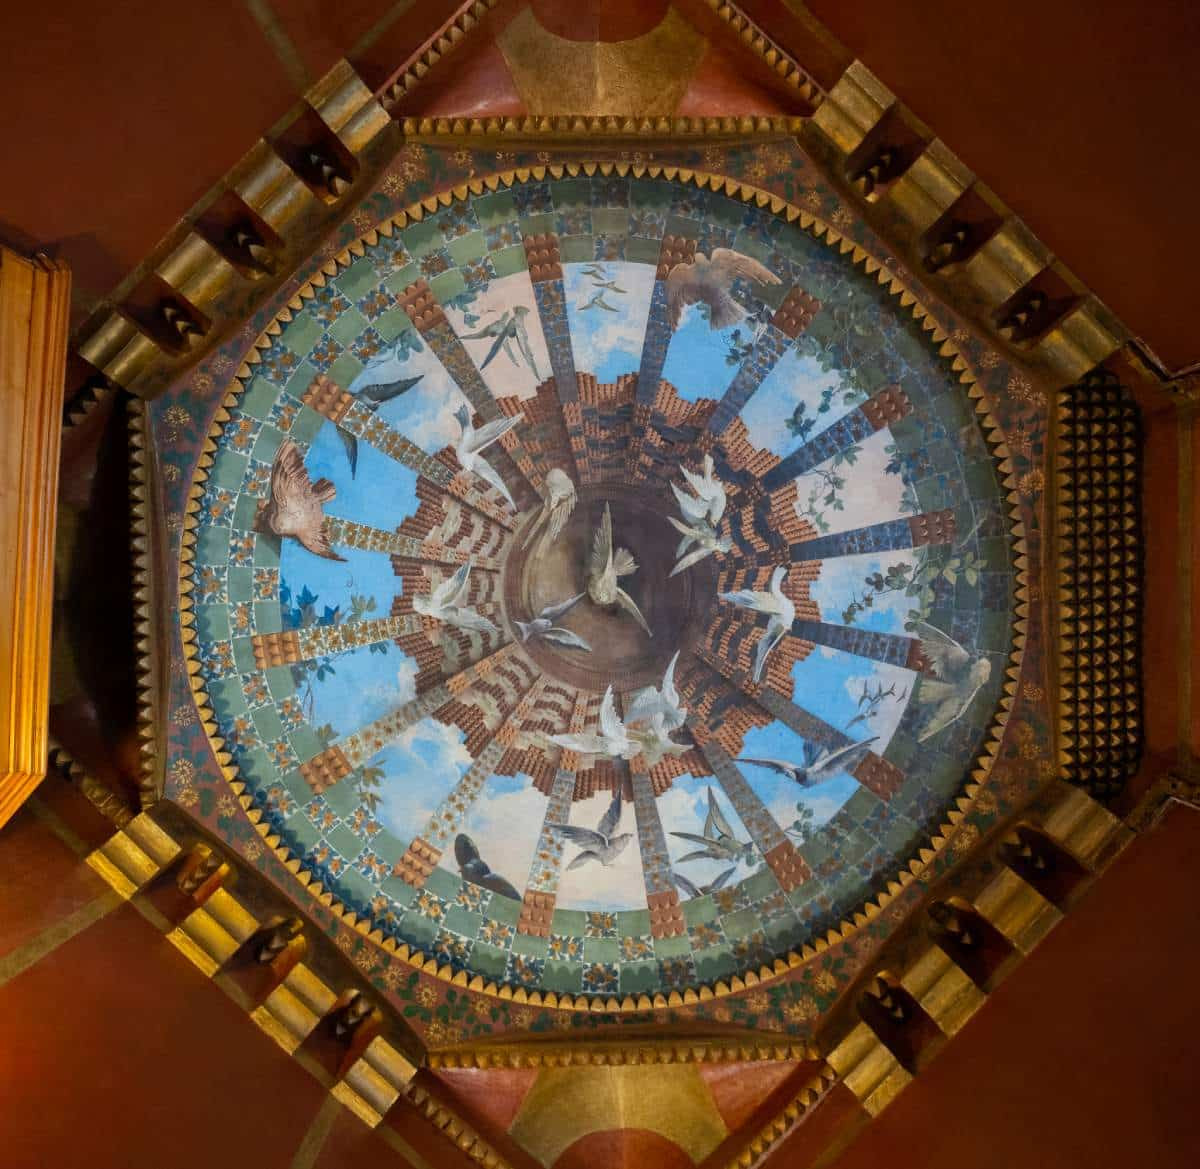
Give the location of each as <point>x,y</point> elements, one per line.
<point>602,584</point>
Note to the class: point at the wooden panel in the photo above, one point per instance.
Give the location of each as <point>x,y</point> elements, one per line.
<point>34,301</point>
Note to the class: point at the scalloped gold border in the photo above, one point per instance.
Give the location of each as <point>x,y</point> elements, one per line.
<point>946,348</point>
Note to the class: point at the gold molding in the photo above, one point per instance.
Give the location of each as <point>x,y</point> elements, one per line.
<point>35,298</point>
<point>1085,336</point>
<point>141,851</point>
<point>568,130</point>
<point>944,345</point>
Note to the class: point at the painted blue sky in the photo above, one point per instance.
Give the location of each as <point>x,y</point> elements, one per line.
<point>696,359</point>
<point>683,807</point>
<point>844,579</point>
<point>608,344</point>
<point>796,378</point>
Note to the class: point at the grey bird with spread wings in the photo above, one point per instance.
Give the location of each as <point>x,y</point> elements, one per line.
<point>708,280</point>
<point>476,870</point>
<point>959,678</point>
<point>820,764</point>
<point>294,508</point>
<point>718,882</point>
<point>447,603</point>
<point>556,507</point>
<point>779,609</point>
<point>703,536</point>
<point>604,844</point>
<point>543,626</point>
<point>719,842</point>
<point>606,567</point>
<point>507,329</point>
<point>597,301</point>
<point>472,441</point>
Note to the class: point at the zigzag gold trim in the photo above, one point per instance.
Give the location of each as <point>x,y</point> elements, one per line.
<point>443,42</point>
<point>142,501</point>
<point>942,837</point>
<point>789,1116</point>
<point>701,1049</point>
<point>568,128</point>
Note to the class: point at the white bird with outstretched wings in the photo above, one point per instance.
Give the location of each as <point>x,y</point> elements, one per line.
<point>447,603</point>
<point>472,441</point>
<point>663,703</point>
<point>709,280</point>
<point>555,510</point>
<point>779,609</point>
<point>706,503</point>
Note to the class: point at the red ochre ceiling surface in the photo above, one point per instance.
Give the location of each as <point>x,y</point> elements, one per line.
<point>1079,114</point>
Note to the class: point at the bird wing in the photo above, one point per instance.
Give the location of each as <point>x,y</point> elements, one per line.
<point>948,657</point>
<point>490,431</point>
<point>466,618</point>
<point>684,286</point>
<point>554,612</point>
<point>583,858</point>
<point>350,445</point>
<point>693,509</point>
<point>290,484</point>
<point>722,880</point>
<point>497,884</point>
<point>669,693</point>
<point>624,563</point>
<point>317,542</point>
<point>693,557</point>
<point>726,265</point>
<point>718,817</point>
<point>386,391</point>
<point>464,850</point>
<point>496,345</point>
<point>611,818</point>
<point>561,512</point>
<point>694,838</point>
<point>583,837</point>
<point>584,743</point>
<point>611,726</point>
<point>568,638</point>
<point>746,599</point>
<point>931,692</point>
<point>686,885</point>
<point>773,764</point>
<point>769,640</point>
<point>942,717</point>
<point>491,477</point>
<point>601,546</point>
<point>630,606</point>
<point>454,588</point>
<point>848,756</point>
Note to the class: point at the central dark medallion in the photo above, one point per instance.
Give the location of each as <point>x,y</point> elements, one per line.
<point>622,654</point>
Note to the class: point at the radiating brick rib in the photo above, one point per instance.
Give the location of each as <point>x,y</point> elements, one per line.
<point>541,890</point>
<point>509,457</point>
<point>360,746</point>
<point>933,527</point>
<point>777,850</point>
<point>666,916</point>
<point>889,648</point>
<point>545,272</point>
<point>351,534</point>
<point>792,317</point>
<point>329,400</point>
<point>887,406</point>
<point>301,645</point>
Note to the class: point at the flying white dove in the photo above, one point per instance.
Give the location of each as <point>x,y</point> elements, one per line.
<point>820,764</point>
<point>598,845</point>
<point>446,604</point>
<point>605,568</point>
<point>776,605</point>
<point>959,678</point>
<point>472,441</point>
<point>556,507</point>
<point>543,626</point>
<point>706,504</point>
<point>707,543</point>
<point>617,741</point>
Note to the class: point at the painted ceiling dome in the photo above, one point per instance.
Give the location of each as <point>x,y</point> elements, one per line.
<point>601,584</point>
